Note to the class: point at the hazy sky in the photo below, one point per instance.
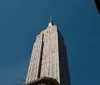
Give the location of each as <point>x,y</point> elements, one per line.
<point>22,20</point>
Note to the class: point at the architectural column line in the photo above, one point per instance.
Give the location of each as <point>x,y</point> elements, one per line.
<point>40,62</point>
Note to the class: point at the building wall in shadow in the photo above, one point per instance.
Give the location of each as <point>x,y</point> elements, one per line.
<point>63,61</point>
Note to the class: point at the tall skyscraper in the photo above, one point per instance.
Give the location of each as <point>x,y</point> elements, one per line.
<point>48,59</point>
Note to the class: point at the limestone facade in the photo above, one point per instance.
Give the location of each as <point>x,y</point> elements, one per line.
<point>45,56</point>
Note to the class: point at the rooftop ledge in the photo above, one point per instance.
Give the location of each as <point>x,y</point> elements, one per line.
<point>43,80</point>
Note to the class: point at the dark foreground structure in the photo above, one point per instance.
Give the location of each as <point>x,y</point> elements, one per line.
<point>97,2</point>
<point>44,81</point>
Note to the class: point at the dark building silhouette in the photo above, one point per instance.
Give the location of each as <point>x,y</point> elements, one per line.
<point>97,2</point>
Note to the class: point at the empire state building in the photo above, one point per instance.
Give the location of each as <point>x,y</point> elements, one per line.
<point>48,64</point>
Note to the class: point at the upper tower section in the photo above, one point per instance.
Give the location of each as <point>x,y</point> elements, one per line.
<point>50,24</point>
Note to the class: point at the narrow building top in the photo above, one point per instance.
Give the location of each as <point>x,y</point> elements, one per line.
<point>50,22</point>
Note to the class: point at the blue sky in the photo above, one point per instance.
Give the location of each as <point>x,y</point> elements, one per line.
<point>22,20</point>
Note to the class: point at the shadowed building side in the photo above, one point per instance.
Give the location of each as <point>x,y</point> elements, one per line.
<point>63,60</point>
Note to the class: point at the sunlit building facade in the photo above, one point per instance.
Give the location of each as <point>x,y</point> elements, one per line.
<point>47,56</point>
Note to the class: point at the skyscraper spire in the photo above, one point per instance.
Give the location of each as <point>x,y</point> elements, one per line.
<point>50,19</point>
<point>50,22</point>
